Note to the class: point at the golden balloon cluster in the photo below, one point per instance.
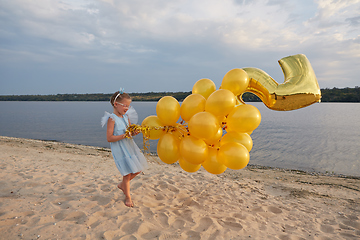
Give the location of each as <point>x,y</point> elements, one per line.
<point>216,124</point>
<point>215,127</point>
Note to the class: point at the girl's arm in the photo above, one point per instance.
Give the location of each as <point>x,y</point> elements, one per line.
<point>110,137</point>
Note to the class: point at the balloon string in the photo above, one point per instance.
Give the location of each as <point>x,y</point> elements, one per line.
<point>133,129</point>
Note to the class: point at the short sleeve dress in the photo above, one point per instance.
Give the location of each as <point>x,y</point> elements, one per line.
<point>127,155</point>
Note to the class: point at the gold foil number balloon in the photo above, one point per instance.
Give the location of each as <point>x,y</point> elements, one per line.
<point>300,88</point>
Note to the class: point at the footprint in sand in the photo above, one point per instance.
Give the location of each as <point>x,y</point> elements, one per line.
<point>136,185</point>
<point>352,224</point>
<point>327,228</point>
<point>230,223</point>
<point>186,215</point>
<point>67,182</point>
<point>101,200</point>
<point>274,210</point>
<point>151,234</point>
<point>147,213</point>
<point>204,224</point>
<point>88,190</point>
<point>163,185</point>
<point>131,227</point>
<point>169,236</point>
<point>193,235</point>
<point>163,219</point>
<point>178,224</point>
<point>76,216</point>
<point>258,209</point>
<point>239,215</point>
<point>106,188</point>
<point>60,215</point>
<point>112,234</point>
<point>271,209</point>
<point>159,196</point>
<point>173,189</point>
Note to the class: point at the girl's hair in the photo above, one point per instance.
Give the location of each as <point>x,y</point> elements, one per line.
<point>118,97</point>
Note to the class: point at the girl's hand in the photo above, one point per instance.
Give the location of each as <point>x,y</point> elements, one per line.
<point>134,133</point>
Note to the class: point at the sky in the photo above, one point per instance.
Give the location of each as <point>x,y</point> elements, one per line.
<point>99,46</point>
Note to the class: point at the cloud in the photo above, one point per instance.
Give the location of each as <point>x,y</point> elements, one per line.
<point>167,45</point>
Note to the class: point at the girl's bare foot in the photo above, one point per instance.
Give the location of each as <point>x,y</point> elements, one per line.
<point>129,203</point>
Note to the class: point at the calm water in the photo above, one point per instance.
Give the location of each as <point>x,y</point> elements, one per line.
<point>322,137</point>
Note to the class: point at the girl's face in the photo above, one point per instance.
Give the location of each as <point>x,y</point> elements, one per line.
<point>123,106</point>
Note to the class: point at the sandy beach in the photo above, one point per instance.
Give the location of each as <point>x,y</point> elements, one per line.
<point>51,190</point>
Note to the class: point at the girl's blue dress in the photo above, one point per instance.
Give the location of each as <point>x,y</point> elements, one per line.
<point>127,155</point>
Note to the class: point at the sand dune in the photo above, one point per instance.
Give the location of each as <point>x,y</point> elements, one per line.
<point>52,190</point>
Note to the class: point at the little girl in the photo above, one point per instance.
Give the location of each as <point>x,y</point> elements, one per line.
<point>128,158</point>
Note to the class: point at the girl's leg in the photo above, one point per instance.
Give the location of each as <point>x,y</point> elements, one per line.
<point>134,175</point>
<point>125,187</point>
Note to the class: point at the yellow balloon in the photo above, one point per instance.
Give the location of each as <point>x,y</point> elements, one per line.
<point>191,105</point>
<point>168,148</point>
<point>168,110</point>
<point>188,167</point>
<point>243,118</point>
<point>212,141</point>
<point>193,150</point>
<point>212,164</point>
<point>234,155</point>
<point>220,102</point>
<point>203,125</point>
<point>204,87</point>
<point>236,80</point>
<point>242,138</point>
<point>153,122</point>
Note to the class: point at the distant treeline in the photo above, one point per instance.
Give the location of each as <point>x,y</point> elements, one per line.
<point>340,94</point>
<point>328,95</point>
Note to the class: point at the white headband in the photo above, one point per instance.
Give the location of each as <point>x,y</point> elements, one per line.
<point>120,92</point>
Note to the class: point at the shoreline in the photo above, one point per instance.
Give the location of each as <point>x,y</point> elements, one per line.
<point>154,154</point>
<point>54,190</point>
